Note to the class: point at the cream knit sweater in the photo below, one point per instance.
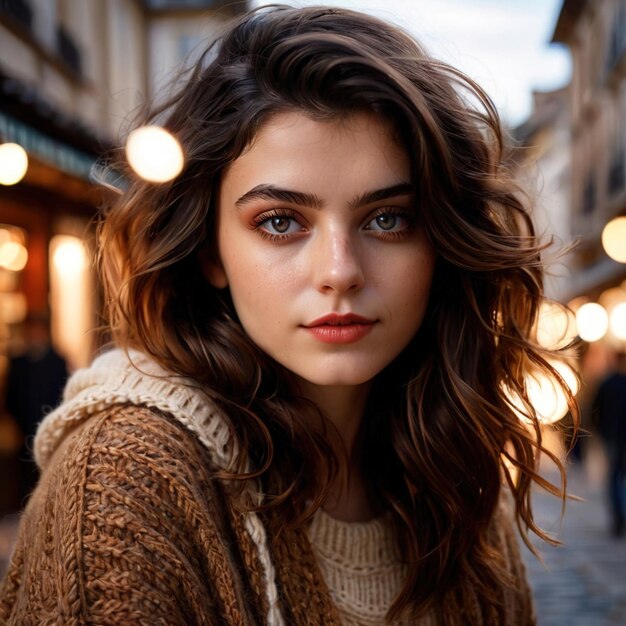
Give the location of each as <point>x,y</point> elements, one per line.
<point>360,564</point>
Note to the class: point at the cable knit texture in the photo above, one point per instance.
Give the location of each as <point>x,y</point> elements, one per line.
<point>360,564</point>
<point>129,525</point>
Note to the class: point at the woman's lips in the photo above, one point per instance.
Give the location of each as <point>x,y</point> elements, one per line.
<point>337,328</point>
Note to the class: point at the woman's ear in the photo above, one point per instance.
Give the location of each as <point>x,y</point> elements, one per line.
<point>212,268</point>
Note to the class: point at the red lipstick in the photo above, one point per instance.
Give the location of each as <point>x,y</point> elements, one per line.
<point>337,328</point>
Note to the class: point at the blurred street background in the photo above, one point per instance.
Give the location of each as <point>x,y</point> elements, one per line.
<point>582,581</point>
<point>73,73</point>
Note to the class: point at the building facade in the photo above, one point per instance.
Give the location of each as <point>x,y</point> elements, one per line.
<point>573,151</point>
<point>544,165</point>
<point>595,33</point>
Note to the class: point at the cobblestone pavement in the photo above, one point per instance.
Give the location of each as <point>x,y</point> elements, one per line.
<point>582,582</point>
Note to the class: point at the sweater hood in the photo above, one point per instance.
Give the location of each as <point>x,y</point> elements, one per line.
<point>119,377</point>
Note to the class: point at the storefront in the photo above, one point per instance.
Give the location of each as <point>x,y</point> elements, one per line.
<point>47,223</point>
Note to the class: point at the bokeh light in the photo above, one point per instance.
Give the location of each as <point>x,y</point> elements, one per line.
<point>592,321</point>
<point>546,394</point>
<point>609,298</point>
<point>617,321</point>
<point>13,307</point>
<point>69,255</point>
<point>13,256</point>
<point>71,298</point>
<point>13,163</point>
<point>154,154</point>
<point>556,326</point>
<point>614,239</point>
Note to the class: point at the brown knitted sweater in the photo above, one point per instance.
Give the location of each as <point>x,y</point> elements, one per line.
<point>129,525</point>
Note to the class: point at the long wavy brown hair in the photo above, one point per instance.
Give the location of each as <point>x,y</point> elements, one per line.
<point>441,434</point>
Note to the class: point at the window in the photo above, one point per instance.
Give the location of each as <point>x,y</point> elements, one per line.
<point>68,50</point>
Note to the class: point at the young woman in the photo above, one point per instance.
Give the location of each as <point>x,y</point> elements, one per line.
<point>321,323</point>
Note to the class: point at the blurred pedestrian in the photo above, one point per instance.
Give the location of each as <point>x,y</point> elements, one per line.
<point>609,413</point>
<point>35,381</point>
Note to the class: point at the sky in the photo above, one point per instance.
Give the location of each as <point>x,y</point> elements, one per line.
<point>502,44</point>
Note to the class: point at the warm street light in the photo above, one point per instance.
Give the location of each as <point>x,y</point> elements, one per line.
<point>545,395</point>
<point>13,256</point>
<point>614,239</point>
<point>611,297</point>
<point>71,297</point>
<point>617,321</point>
<point>592,321</point>
<point>154,154</point>
<point>13,163</point>
<point>556,326</point>
<point>69,256</point>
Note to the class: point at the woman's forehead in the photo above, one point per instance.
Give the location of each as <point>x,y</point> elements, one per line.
<point>293,148</point>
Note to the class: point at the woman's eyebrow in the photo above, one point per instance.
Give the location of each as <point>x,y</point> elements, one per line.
<point>369,197</point>
<point>271,192</point>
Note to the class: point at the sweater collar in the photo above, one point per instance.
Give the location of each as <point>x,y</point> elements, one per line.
<point>120,377</point>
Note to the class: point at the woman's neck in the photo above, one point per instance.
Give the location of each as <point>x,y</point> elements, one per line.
<point>343,406</point>
<point>349,498</point>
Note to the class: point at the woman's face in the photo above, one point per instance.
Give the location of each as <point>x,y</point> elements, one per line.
<point>321,246</point>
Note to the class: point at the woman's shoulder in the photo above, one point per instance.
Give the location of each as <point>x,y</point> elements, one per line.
<point>127,510</point>
<point>127,439</point>
<point>132,464</point>
<point>137,465</point>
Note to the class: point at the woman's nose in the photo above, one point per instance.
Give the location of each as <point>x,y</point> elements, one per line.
<point>337,266</point>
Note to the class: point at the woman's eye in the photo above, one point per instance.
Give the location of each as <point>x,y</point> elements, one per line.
<point>385,222</point>
<point>280,225</point>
